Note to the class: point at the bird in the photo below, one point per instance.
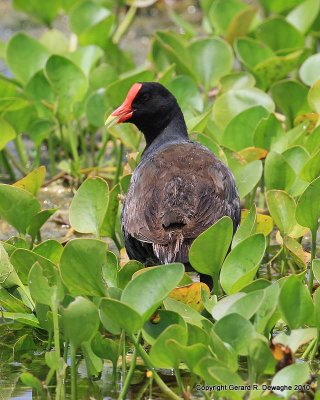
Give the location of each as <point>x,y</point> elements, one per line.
<point>179,187</point>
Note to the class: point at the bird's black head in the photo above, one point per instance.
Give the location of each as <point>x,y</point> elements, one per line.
<point>151,107</point>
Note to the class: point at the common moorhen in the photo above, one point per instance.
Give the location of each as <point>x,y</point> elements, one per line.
<point>179,187</point>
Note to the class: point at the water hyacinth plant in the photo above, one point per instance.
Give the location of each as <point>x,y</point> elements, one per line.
<point>246,75</point>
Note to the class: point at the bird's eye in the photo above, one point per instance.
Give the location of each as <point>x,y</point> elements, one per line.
<point>145,96</point>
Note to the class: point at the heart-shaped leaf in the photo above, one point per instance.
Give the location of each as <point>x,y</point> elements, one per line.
<point>203,256</point>
<point>89,206</point>
<point>238,270</point>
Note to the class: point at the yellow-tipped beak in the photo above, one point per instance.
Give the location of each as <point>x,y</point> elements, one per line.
<point>112,120</point>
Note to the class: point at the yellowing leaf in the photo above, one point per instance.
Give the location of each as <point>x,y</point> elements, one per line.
<point>253,153</point>
<point>33,181</point>
<point>190,295</point>
<point>264,223</point>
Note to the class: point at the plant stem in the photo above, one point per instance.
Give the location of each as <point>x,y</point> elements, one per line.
<point>126,385</point>
<point>123,349</point>
<point>56,337</point>
<point>6,165</point>
<point>125,24</point>
<point>119,165</point>
<point>21,150</point>
<point>51,155</point>
<point>313,256</point>
<point>73,352</point>
<point>163,387</point>
<point>65,351</point>
<point>92,146</point>
<point>179,380</point>
<point>315,347</point>
<point>15,163</point>
<point>216,289</point>
<point>308,349</point>
<point>105,139</point>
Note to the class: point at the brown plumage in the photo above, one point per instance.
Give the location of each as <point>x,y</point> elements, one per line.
<point>178,190</point>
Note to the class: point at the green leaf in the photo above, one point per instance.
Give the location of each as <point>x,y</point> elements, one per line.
<point>274,163</point>
<point>23,259</point>
<point>79,310</point>
<point>86,57</point>
<point>277,67</point>
<point>239,132</point>
<point>89,206</point>
<point>278,7</point>
<point>237,331</point>
<point>159,354</point>
<point>296,338</point>
<point>244,304</point>
<point>17,207</point>
<point>260,359</point>
<point>45,12</point>
<point>267,309</point>
<point>146,292</point>
<point>297,156</point>
<point>55,41</point>
<point>303,310</point>
<point>251,52</point>
<point>190,354</point>
<point>292,375</point>
<point>33,181</point>
<point>282,208</point>
<point>86,14</point>
<point>8,301</point>
<point>24,343</point>
<point>223,352</point>
<point>81,266</point>
<point>189,314</point>
<point>50,249</point>
<point>205,258</point>
<point>308,207</point>
<point>186,92</point>
<point>279,34</point>
<point>310,69</point>
<point>97,105</point>
<point>115,313</point>
<point>7,133</point>
<point>303,16</point>
<point>247,177</point>
<point>211,58</point>
<point>231,103</point>
<point>45,285</point>
<point>38,221</point>
<point>238,269</point>
<point>94,364</point>
<point>316,299</point>
<point>221,14</point>
<point>127,271</point>
<point>247,227</point>
<point>67,80</point>
<point>109,222</point>
<point>105,348</point>
<point>316,269</point>
<point>269,134</point>
<point>291,97</point>
<point>30,380</point>
<point>34,55</point>
<point>236,80</point>
<point>314,97</point>
<point>164,318</point>
<point>39,89</point>
<point>8,275</point>
<point>311,169</point>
